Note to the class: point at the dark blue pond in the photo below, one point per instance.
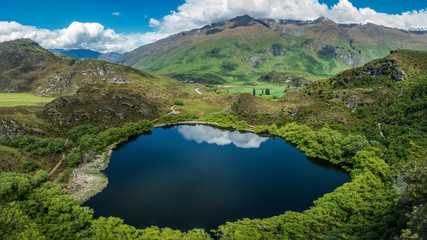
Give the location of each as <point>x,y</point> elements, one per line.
<point>189,177</point>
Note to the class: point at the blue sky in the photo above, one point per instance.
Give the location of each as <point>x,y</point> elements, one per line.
<point>120,26</point>
<point>134,15</point>
<point>386,6</point>
<point>53,14</point>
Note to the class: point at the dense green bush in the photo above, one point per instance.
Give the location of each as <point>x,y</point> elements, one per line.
<point>172,118</point>
<point>225,119</point>
<point>33,145</point>
<point>29,166</point>
<point>77,132</point>
<point>178,102</point>
<point>74,157</point>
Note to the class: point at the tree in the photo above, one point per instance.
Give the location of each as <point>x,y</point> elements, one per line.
<point>77,132</point>
<point>178,102</point>
<point>14,224</point>
<point>253,92</point>
<point>74,157</point>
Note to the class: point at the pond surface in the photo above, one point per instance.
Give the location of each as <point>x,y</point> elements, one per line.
<point>189,177</point>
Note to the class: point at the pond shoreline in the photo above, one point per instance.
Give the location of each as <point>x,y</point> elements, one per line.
<point>88,179</point>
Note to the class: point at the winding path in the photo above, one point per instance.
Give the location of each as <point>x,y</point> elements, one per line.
<point>173,110</point>
<point>57,165</point>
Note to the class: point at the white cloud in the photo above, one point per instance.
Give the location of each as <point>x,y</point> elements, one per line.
<point>211,135</point>
<point>79,35</point>
<point>197,13</point>
<point>154,23</point>
<point>116,14</point>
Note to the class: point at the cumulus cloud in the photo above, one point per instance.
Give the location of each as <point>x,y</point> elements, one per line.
<point>79,35</point>
<point>197,13</point>
<point>154,23</point>
<point>210,135</point>
<point>116,14</point>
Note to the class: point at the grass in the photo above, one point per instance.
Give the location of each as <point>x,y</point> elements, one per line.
<point>197,59</point>
<point>22,99</point>
<point>199,107</point>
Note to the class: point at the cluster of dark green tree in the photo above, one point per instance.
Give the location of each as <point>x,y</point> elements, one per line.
<point>267,91</point>
<point>225,119</point>
<point>31,208</point>
<point>91,140</point>
<point>36,146</point>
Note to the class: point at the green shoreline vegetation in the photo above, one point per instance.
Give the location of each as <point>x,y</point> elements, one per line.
<point>365,206</point>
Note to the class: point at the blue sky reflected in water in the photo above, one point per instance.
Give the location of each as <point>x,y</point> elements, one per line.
<point>201,133</point>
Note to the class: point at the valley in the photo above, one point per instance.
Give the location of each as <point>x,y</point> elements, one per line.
<point>346,96</point>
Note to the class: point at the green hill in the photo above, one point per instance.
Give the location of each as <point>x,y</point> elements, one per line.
<point>115,94</point>
<point>243,49</point>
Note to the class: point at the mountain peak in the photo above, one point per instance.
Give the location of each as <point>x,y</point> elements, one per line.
<point>243,18</point>
<point>244,21</point>
<point>323,19</point>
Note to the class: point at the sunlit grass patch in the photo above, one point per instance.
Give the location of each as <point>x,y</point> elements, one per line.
<point>199,107</point>
<point>22,99</point>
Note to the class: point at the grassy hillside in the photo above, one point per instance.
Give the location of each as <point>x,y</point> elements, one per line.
<point>232,60</point>
<point>243,49</point>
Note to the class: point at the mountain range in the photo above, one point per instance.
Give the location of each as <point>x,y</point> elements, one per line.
<point>82,54</point>
<point>244,49</point>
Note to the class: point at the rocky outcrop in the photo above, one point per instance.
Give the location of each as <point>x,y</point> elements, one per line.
<point>282,78</point>
<point>27,67</point>
<point>102,106</point>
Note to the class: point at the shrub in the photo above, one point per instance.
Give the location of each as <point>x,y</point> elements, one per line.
<point>77,132</point>
<point>178,102</point>
<point>29,166</point>
<point>74,157</point>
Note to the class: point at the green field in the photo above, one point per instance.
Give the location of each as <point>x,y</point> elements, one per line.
<point>275,89</point>
<point>22,99</point>
<point>199,107</point>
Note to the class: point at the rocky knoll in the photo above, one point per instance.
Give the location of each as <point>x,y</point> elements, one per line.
<point>27,67</point>
<point>89,91</point>
<point>103,106</point>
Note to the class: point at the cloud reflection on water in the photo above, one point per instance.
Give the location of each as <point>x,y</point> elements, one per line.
<point>201,133</point>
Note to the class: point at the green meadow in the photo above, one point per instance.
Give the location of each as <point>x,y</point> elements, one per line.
<point>22,99</point>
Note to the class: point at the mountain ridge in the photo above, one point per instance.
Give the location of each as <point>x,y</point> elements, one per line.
<point>82,54</point>
<point>317,48</point>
